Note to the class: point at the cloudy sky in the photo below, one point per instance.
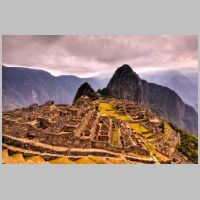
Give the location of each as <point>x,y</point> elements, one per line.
<point>87,56</point>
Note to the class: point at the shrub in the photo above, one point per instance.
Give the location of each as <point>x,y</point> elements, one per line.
<point>189,145</point>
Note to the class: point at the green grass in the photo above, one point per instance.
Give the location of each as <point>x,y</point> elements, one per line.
<point>18,157</point>
<point>157,154</point>
<point>147,135</point>
<point>112,102</point>
<point>188,145</point>
<point>5,154</point>
<point>35,160</point>
<point>62,160</point>
<point>115,137</point>
<point>105,108</point>
<point>108,110</point>
<point>137,127</point>
<point>152,139</point>
<point>122,117</point>
<point>97,160</point>
<point>86,160</point>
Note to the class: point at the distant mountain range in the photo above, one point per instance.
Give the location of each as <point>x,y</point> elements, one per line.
<point>186,85</point>
<point>23,86</point>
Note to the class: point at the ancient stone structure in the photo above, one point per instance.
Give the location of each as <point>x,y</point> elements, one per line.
<point>83,129</point>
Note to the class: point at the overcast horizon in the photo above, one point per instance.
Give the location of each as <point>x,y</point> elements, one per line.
<point>87,56</point>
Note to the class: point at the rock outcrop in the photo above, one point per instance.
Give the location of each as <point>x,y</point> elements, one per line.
<point>86,90</point>
<point>125,84</point>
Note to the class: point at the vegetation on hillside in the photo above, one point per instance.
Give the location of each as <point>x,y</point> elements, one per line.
<point>188,145</point>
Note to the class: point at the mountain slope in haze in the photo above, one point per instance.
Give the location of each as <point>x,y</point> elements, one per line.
<point>72,83</point>
<point>24,86</point>
<point>185,85</point>
<point>126,84</point>
<point>168,104</point>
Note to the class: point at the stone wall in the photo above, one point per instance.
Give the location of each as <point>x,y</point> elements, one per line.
<point>136,149</point>
<point>105,146</point>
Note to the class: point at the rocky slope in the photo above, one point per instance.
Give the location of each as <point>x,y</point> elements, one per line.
<point>126,84</point>
<point>86,89</point>
<point>184,84</point>
<point>22,87</point>
<point>119,86</point>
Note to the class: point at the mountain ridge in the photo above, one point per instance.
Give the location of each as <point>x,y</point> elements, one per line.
<point>24,86</point>
<point>162,100</point>
<point>23,89</point>
<point>185,84</point>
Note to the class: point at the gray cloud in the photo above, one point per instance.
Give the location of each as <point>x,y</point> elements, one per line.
<point>90,55</point>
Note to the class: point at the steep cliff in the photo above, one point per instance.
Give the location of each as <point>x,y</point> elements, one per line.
<point>168,104</point>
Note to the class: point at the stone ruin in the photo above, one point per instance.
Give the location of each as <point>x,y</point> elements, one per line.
<point>81,126</point>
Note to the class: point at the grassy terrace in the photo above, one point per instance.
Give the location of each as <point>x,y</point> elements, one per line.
<point>188,145</point>
<point>137,127</point>
<point>115,137</point>
<point>159,156</point>
<point>108,110</point>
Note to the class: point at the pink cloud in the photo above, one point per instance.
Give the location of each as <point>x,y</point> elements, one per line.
<point>90,55</point>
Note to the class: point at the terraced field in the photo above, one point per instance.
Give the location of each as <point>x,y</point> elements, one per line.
<point>137,127</point>
<point>107,110</point>
<point>104,131</point>
<point>147,137</point>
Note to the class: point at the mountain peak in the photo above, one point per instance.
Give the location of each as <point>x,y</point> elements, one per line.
<point>126,71</point>
<point>125,84</point>
<point>125,66</point>
<point>86,90</point>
